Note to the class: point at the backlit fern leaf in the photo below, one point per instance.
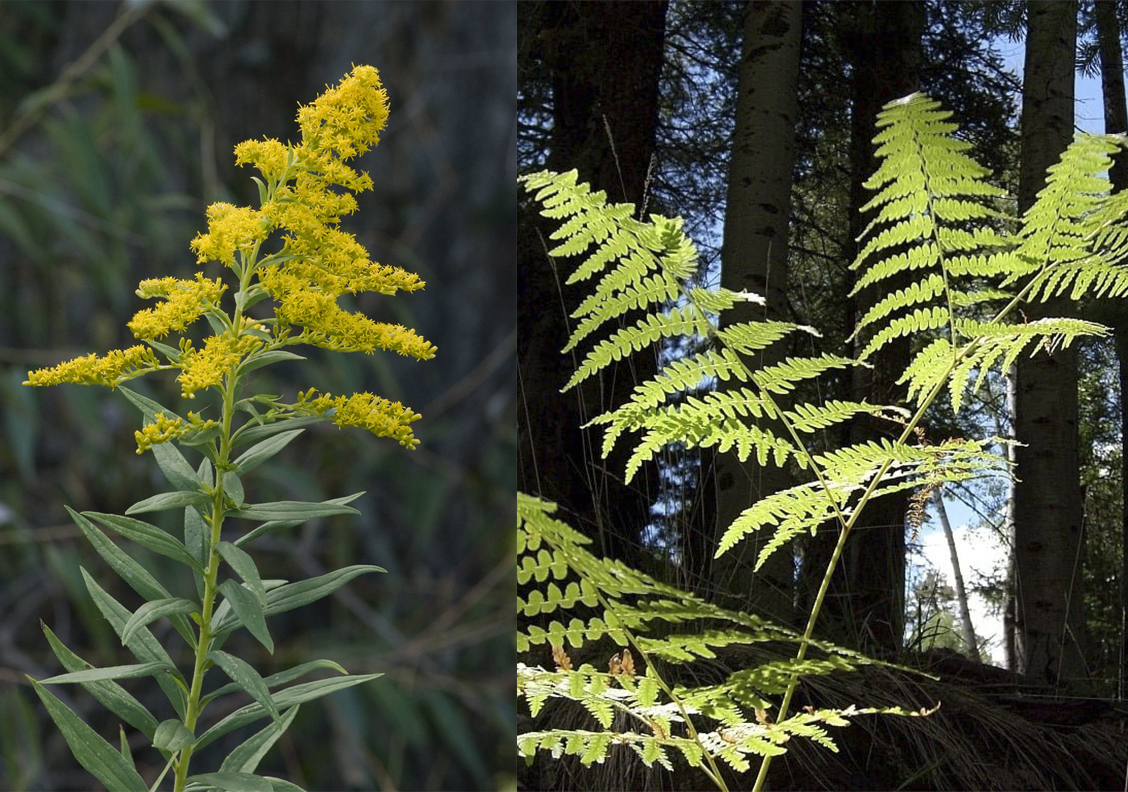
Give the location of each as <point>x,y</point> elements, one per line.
<point>634,709</point>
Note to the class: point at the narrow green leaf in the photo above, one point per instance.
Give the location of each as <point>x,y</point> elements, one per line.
<point>168,500</point>
<point>260,452</point>
<point>246,757</point>
<point>156,609</point>
<point>244,567</point>
<point>282,785</point>
<point>144,646</point>
<point>266,358</point>
<point>126,754</point>
<point>255,433</point>
<point>298,694</point>
<point>111,672</point>
<point>130,571</point>
<point>196,539</point>
<point>147,406</point>
<point>148,536</point>
<point>112,695</point>
<point>248,611</point>
<point>233,488</point>
<point>294,595</point>
<point>172,735</point>
<point>293,510</point>
<point>247,678</point>
<point>91,751</point>
<point>234,782</point>
<point>276,525</point>
<point>172,353</point>
<point>281,678</point>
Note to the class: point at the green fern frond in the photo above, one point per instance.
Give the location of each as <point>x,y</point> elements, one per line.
<point>678,323</point>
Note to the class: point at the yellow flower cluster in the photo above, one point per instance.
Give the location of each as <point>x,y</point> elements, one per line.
<point>306,189</point>
<point>116,367</point>
<point>380,416</point>
<point>330,326</point>
<point>185,302</point>
<point>269,156</point>
<point>230,229</point>
<point>164,429</point>
<point>202,368</point>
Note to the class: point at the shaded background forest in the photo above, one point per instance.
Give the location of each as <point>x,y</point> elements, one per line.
<point>754,121</point>
<point>117,122</point>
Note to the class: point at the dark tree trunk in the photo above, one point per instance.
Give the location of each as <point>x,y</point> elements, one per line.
<point>1116,121</point>
<point>754,258</point>
<point>1048,526</point>
<point>603,61</point>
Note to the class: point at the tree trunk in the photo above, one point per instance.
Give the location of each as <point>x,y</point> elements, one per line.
<point>754,258</point>
<point>1116,121</point>
<point>604,60</point>
<point>1048,527</point>
<point>966,627</point>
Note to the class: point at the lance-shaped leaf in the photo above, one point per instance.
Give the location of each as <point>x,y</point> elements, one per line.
<point>233,488</point>
<point>246,757</point>
<point>248,611</point>
<point>294,595</point>
<point>112,695</point>
<point>92,752</point>
<point>298,694</point>
<point>156,609</point>
<point>233,782</point>
<point>248,680</point>
<point>168,500</point>
<point>262,451</point>
<point>172,735</point>
<point>144,646</point>
<point>112,672</point>
<point>244,567</point>
<point>254,434</point>
<point>275,525</point>
<point>274,680</point>
<point>148,536</point>
<point>293,510</point>
<point>130,571</point>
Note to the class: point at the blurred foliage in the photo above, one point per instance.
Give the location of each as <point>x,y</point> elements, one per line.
<point>116,127</point>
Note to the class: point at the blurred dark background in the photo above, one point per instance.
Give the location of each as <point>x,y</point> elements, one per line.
<point>117,122</point>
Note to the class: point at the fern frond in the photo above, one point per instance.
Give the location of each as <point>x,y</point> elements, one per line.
<point>679,322</point>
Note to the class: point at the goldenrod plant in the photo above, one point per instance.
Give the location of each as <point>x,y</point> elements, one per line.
<point>936,218</point>
<point>283,298</point>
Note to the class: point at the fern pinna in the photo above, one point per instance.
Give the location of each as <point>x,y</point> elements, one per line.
<point>936,218</point>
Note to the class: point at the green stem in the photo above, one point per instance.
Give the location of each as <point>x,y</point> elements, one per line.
<point>211,575</point>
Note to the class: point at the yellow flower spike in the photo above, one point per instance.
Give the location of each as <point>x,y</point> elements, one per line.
<point>116,367</point>
<point>185,302</point>
<point>348,118</point>
<point>378,415</point>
